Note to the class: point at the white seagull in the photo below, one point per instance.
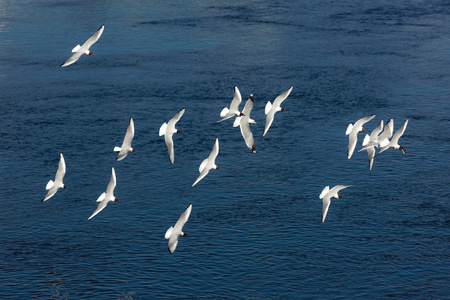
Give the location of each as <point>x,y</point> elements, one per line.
<point>327,194</point>
<point>209,163</point>
<point>80,50</point>
<point>168,130</point>
<point>393,144</point>
<point>244,121</point>
<point>126,145</point>
<point>372,139</point>
<point>270,109</point>
<point>352,132</point>
<point>53,187</point>
<point>107,197</point>
<point>174,232</point>
<point>234,107</point>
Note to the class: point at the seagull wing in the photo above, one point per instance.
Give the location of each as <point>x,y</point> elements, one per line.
<point>247,134</point>
<point>326,205</point>
<point>364,120</point>
<point>169,143</point>
<point>269,119</point>
<point>51,192</point>
<point>72,59</point>
<point>61,170</point>
<point>100,207</point>
<point>352,139</point>
<point>234,106</point>
<point>93,38</point>
<point>399,133</point>
<point>277,102</point>
<point>215,151</point>
<point>175,119</point>
<point>111,185</point>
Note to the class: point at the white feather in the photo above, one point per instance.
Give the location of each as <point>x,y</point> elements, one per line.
<point>49,185</point>
<point>224,111</point>
<point>268,107</point>
<point>77,47</point>
<point>324,192</point>
<point>349,129</point>
<point>162,129</point>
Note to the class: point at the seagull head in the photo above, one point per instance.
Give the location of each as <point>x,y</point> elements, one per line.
<point>241,114</point>
<point>133,150</point>
<point>184,233</point>
<point>340,195</point>
<point>65,186</point>
<point>402,149</point>
<point>363,129</point>
<point>179,131</point>
<point>217,168</point>
<point>282,109</point>
<point>116,200</point>
<point>90,53</point>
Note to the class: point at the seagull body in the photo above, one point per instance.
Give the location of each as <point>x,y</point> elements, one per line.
<point>244,123</point>
<point>168,130</point>
<point>372,139</point>
<point>174,232</point>
<point>80,50</point>
<point>352,132</point>
<point>393,144</point>
<point>54,186</point>
<point>107,197</point>
<point>209,163</point>
<point>270,109</point>
<point>126,145</point>
<point>234,107</point>
<point>327,194</point>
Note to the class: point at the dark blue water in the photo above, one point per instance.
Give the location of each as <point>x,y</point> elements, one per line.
<point>255,228</point>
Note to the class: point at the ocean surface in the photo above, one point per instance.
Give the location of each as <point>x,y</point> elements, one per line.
<point>255,231</point>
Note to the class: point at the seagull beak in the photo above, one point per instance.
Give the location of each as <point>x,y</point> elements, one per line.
<point>217,168</point>
<point>65,186</point>
<point>116,200</point>
<point>133,150</point>
<point>363,129</point>
<point>90,53</point>
<point>282,109</point>
<point>178,131</point>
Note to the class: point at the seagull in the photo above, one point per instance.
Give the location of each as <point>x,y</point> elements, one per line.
<point>270,109</point>
<point>209,163</point>
<point>327,194</point>
<point>372,139</point>
<point>234,107</point>
<point>393,144</point>
<point>126,145</point>
<point>174,232</point>
<point>168,130</point>
<point>244,122</point>
<point>80,50</point>
<point>352,132</point>
<point>107,197</point>
<point>53,187</point>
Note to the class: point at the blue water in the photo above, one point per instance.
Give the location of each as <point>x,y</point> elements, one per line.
<point>255,231</point>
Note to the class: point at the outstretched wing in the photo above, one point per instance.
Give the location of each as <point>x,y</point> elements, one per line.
<point>94,38</point>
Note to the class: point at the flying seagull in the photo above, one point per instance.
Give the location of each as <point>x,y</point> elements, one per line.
<point>126,145</point>
<point>270,109</point>
<point>327,194</point>
<point>209,163</point>
<point>244,121</point>
<point>174,232</point>
<point>80,50</point>
<point>393,144</point>
<point>107,197</point>
<point>168,130</point>
<point>352,132</point>
<point>234,107</point>
<point>372,139</point>
<point>54,186</point>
